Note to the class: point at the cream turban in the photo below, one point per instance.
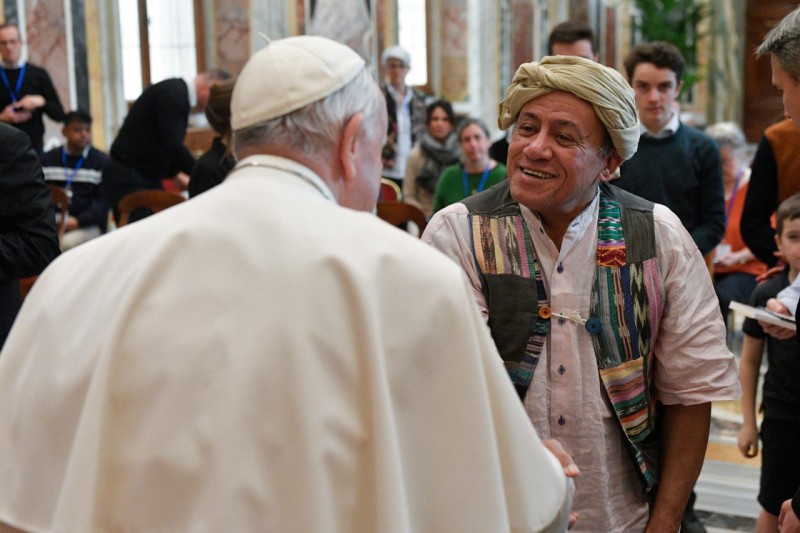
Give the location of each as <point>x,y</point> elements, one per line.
<point>603,87</point>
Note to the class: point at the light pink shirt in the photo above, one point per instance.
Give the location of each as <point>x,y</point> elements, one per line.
<point>693,364</point>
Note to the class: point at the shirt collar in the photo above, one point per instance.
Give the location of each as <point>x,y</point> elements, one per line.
<point>397,97</point>
<point>668,130</point>
<point>577,227</point>
<point>290,168</point>
<point>84,153</point>
<point>12,66</point>
<point>192,92</point>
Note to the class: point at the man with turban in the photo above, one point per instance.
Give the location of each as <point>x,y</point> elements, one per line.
<point>599,302</point>
<point>258,359</point>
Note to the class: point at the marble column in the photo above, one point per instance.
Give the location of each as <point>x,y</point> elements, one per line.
<point>345,21</point>
<point>726,51</point>
<point>230,34</point>
<point>104,58</point>
<point>453,58</point>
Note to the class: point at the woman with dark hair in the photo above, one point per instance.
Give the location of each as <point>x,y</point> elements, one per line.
<point>435,151</point>
<point>476,172</point>
<point>214,165</point>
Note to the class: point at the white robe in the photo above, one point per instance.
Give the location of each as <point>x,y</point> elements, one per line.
<point>261,359</point>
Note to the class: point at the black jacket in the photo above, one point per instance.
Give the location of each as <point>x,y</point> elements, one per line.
<point>28,236</point>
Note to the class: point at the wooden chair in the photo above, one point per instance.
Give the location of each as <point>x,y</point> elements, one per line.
<point>155,201</point>
<point>390,191</point>
<point>400,214</point>
<point>61,200</point>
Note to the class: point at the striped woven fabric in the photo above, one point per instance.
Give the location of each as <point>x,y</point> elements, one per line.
<point>506,248</point>
<point>626,388</point>
<point>610,241</point>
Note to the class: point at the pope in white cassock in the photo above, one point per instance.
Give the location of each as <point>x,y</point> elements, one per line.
<point>269,356</point>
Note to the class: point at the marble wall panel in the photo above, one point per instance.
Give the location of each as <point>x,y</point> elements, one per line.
<point>522,26</point>
<point>454,41</point>
<point>231,34</point>
<point>344,21</point>
<point>47,42</point>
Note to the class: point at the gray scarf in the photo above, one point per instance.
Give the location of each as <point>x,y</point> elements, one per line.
<point>438,156</point>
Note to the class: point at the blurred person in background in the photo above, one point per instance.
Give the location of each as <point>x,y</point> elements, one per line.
<point>735,266</point>
<point>212,167</point>
<point>436,149</point>
<point>476,172</point>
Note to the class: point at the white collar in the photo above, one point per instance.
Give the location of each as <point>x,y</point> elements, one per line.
<point>289,167</point>
<point>668,130</point>
<point>12,66</point>
<point>192,92</point>
<point>405,97</point>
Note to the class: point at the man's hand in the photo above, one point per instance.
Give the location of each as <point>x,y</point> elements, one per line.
<point>778,332</point>
<point>788,521</point>
<point>72,223</point>
<point>12,115</point>
<point>181,181</point>
<point>570,468</point>
<point>30,102</point>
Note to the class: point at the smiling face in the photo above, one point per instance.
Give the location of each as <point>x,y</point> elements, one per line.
<point>555,160</point>
<point>656,90</point>
<point>790,90</point>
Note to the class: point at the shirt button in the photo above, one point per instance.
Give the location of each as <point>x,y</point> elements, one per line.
<point>561,370</point>
<point>560,268</point>
<point>561,421</point>
<point>562,320</point>
<point>593,325</point>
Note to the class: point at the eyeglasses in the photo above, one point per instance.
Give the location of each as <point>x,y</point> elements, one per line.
<point>395,66</point>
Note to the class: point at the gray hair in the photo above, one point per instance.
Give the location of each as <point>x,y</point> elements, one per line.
<point>471,121</point>
<point>727,134</point>
<point>783,41</point>
<point>316,128</point>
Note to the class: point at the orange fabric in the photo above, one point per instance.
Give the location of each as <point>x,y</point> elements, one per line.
<point>784,138</point>
<point>733,236</point>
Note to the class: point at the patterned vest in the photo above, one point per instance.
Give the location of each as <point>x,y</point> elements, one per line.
<point>625,309</point>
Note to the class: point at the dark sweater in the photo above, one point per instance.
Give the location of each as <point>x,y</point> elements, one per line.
<point>683,172</point>
<point>88,204</point>
<point>36,81</point>
<point>151,138</point>
<point>211,169</point>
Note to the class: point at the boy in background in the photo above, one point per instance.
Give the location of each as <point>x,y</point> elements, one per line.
<point>77,167</point>
<point>780,429</point>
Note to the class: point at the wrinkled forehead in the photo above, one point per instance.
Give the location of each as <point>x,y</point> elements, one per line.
<point>563,108</point>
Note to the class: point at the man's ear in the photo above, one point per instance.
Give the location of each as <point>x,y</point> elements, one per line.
<point>678,90</point>
<point>348,146</point>
<point>613,161</point>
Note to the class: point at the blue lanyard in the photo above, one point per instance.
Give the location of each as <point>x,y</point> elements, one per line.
<point>481,185</point>
<point>732,199</point>
<point>19,81</point>
<point>69,176</point>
